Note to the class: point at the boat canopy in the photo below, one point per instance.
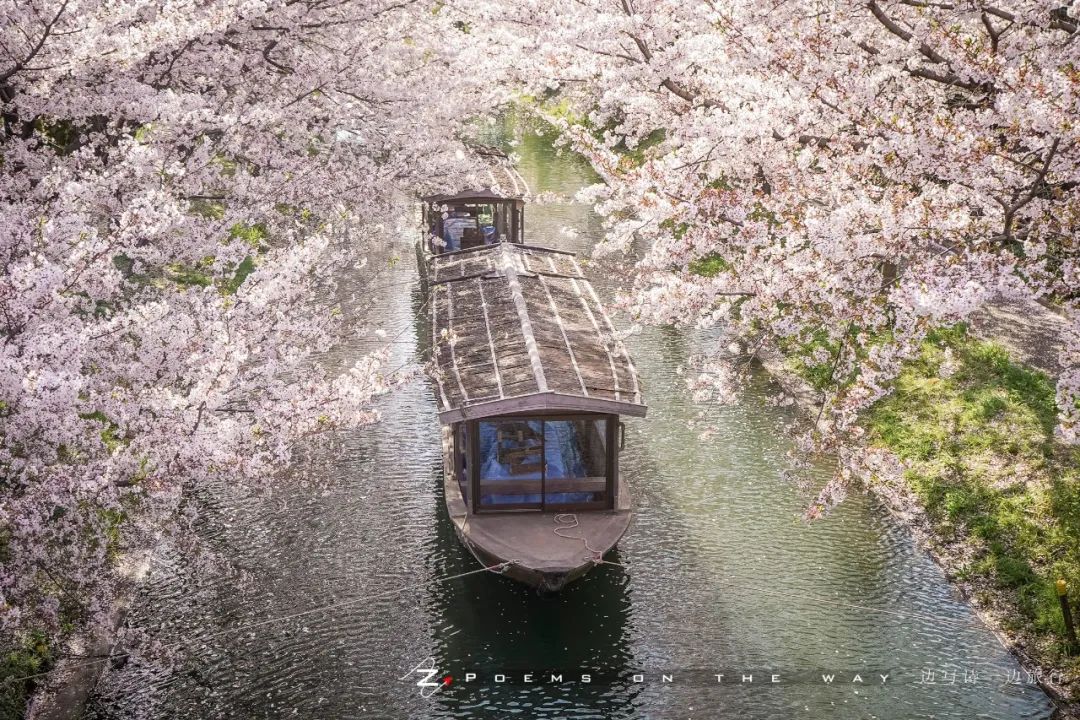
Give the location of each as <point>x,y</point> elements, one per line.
<point>520,329</point>
<point>491,212</point>
<point>499,180</point>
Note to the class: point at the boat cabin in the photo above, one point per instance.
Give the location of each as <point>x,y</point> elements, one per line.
<point>531,381</point>
<point>490,214</point>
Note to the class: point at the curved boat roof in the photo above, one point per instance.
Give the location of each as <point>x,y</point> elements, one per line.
<point>503,181</point>
<point>519,328</point>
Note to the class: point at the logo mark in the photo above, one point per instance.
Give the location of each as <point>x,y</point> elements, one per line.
<point>429,684</point>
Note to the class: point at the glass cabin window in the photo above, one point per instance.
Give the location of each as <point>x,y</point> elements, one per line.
<point>511,463</point>
<point>543,464</point>
<point>575,472</point>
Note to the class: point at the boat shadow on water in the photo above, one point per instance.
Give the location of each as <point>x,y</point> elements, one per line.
<point>509,647</point>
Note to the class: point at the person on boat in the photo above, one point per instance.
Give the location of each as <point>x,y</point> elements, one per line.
<point>454,226</point>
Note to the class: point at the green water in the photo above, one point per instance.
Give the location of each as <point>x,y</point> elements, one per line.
<point>720,576</point>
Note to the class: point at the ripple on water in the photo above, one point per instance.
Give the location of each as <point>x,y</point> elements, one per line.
<point>721,575</point>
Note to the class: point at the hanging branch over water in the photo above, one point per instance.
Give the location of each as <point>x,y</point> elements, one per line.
<point>180,189</point>
<point>796,170</point>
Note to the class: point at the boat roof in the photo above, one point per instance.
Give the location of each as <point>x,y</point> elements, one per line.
<point>519,328</point>
<point>499,180</point>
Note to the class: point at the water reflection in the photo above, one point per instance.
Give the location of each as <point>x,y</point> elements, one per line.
<point>514,639</point>
<point>720,576</point>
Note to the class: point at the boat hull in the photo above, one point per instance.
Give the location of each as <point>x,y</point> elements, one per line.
<point>544,550</point>
<point>552,580</point>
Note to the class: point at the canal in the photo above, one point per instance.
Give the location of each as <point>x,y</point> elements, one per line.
<point>718,574</point>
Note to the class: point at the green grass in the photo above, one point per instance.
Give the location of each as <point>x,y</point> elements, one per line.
<point>31,657</point>
<point>983,461</point>
<point>708,266</point>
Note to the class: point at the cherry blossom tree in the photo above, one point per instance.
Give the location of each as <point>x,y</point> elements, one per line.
<point>182,185</point>
<point>831,179</point>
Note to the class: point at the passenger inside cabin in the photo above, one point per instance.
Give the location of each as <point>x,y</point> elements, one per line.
<point>454,227</point>
<point>467,225</point>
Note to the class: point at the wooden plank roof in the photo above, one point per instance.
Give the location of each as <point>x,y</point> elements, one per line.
<point>519,328</point>
<point>500,179</point>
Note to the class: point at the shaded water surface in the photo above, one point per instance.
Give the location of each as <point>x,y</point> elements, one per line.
<point>719,577</point>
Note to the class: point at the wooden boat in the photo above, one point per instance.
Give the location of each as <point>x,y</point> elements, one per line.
<point>531,382</point>
<point>486,215</point>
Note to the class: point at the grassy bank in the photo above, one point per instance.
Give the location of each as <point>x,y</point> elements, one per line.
<point>32,657</point>
<point>976,433</point>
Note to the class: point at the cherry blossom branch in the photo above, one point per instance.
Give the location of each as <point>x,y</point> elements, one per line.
<point>667,83</point>
<point>36,47</point>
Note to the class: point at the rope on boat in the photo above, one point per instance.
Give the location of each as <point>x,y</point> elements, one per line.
<point>602,561</point>
<point>498,569</point>
<point>569,521</point>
